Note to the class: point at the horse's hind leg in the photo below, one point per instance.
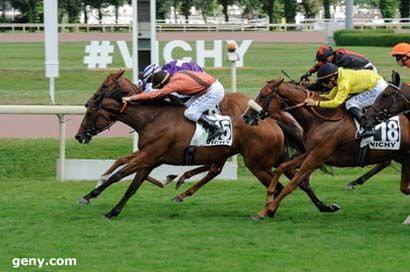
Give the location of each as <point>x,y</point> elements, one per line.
<point>404,183</point>
<point>214,170</point>
<point>361,180</point>
<point>187,175</point>
<point>135,184</point>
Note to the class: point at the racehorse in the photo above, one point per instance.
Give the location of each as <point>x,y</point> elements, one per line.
<point>164,134</point>
<point>393,100</point>
<point>329,139</point>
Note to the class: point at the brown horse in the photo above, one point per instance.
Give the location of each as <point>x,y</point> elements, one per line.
<point>164,134</point>
<point>394,100</point>
<point>329,139</point>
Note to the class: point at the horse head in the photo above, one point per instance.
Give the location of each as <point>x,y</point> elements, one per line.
<point>264,104</point>
<point>392,101</point>
<point>104,107</point>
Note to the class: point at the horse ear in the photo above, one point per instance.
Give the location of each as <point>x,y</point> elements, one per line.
<point>118,74</point>
<point>395,77</point>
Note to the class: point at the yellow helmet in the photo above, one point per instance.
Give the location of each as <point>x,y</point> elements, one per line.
<point>401,49</point>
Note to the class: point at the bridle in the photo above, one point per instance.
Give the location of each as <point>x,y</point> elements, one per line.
<point>309,94</point>
<point>383,113</point>
<point>97,101</point>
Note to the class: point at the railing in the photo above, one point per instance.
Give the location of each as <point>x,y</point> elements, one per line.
<point>256,25</point>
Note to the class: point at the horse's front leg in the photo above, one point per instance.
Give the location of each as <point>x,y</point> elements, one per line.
<point>295,163</point>
<point>310,164</point>
<point>404,183</point>
<point>135,184</point>
<point>190,174</point>
<point>125,171</point>
<point>214,170</point>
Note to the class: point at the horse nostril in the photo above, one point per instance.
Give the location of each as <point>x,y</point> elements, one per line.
<point>77,137</point>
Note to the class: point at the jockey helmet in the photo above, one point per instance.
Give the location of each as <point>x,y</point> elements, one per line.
<point>401,49</point>
<point>323,52</point>
<point>326,71</point>
<point>159,79</point>
<point>149,71</point>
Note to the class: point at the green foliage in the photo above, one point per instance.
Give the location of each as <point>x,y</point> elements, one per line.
<point>31,10</point>
<point>404,9</point>
<point>310,8</point>
<point>388,8</point>
<point>290,10</point>
<point>369,38</point>
<point>72,8</point>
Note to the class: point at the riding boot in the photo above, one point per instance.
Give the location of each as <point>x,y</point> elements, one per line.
<point>356,113</point>
<point>211,126</point>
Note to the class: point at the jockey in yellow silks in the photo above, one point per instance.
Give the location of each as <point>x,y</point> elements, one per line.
<point>357,88</point>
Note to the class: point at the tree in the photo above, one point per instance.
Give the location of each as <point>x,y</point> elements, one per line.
<point>404,9</point>
<point>388,8</point>
<point>311,8</point>
<point>31,10</point>
<point>185,7</point>
<point>225,4</point>
<point>117,4</point>
<point>99,5</point>
<point>326,7</point>
<point>290,10</point>
<point>207,7</point>
<point>72,8</point>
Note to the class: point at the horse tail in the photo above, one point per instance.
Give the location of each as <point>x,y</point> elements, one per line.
<point>293,137</point>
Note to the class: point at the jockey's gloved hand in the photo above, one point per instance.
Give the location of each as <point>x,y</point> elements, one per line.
<point>305,77</point>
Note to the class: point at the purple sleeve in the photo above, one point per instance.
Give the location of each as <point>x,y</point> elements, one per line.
<point>177,65</point>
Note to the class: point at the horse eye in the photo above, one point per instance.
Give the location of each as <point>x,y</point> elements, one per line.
<point>385,95</point>
<point>105,86</point>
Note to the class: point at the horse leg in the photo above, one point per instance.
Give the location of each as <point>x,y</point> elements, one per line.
<point>135,184</point>
<point>404,183</point>
<point>127,170</point>
<point>214,170</point>
<point>278,172</point>
<point>121,161</point>
<point>305,186</point>
<point>187,175</point>
<point>361,180</point>
<point>309,165</point>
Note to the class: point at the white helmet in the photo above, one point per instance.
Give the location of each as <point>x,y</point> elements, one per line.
<point>149,71</point>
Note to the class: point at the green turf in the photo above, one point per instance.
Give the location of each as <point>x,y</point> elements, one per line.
<point>23,81</point>
<point>209,232</point>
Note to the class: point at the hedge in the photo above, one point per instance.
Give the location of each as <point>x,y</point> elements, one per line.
<point>380,37</point>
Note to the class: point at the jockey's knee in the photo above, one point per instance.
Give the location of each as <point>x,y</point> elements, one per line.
<point>192,115</point>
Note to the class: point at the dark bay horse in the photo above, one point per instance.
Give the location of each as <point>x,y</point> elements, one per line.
<point>164,134</point>
<point>394,100</point>
<point>329,139</point>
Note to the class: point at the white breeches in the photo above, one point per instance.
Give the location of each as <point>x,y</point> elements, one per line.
<point>198,104</point>
<point>367,98</point>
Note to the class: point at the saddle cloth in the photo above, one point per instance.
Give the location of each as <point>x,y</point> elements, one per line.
<point>200,136</point>
<point>387,135</point>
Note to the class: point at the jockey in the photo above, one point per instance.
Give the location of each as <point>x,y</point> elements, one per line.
<point>171,67</point>
<point>205,92</point>
<point>363,85</point>
<point>341,58</point>
<point>401,52</point>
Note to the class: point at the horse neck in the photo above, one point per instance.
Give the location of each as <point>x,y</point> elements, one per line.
<point>139,116</point>
<point>301,114</point>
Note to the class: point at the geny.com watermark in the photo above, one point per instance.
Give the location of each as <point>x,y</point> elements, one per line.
<point>40,262</point>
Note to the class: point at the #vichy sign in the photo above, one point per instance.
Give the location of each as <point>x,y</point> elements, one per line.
<point>99,54</point>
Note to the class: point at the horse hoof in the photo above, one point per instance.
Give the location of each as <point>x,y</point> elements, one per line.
<point>178,199</point>
<point>350,186</point>
<point>171,178</point>
<point>83,201</point>
<point>257,217</point>
<point>334,207</point>
<point>179,184</point>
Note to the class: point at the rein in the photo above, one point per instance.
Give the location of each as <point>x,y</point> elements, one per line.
<point>313,109</point>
